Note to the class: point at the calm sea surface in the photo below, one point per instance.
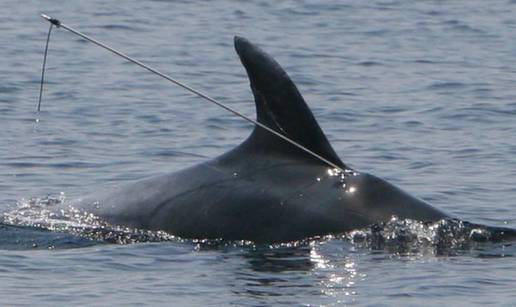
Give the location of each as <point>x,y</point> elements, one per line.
<point>421,93</point>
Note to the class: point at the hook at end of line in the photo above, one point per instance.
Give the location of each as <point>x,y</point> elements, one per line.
<point>53,21</point>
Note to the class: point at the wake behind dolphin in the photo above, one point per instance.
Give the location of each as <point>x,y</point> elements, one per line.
<point>266,189</point>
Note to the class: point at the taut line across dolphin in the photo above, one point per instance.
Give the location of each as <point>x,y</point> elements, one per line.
<point>265,189</point>
<point>59,24</point>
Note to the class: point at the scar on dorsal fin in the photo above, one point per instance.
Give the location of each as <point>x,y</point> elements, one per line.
<point>280,106</point>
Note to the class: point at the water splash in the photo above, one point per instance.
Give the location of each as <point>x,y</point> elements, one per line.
<point>38,213</point>
<point>447,236</point>
<point>399,236</point>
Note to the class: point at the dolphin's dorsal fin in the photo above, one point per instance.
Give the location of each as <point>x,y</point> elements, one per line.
<point>280,106</point>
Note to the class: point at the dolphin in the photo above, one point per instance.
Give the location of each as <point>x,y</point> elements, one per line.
<point>265,189</point>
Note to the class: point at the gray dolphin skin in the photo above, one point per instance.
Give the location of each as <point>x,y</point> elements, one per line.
<point>264,190</point>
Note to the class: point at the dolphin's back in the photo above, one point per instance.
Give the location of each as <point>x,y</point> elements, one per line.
<point>265,189</point>
<point>268,200</point>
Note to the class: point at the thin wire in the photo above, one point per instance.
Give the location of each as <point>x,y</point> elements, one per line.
<point>59,24</point>
<point>44,66</point>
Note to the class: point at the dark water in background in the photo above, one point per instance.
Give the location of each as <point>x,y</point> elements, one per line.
<point>422,94</point>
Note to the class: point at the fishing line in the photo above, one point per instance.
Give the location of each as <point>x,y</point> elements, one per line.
<point>59,24</point>
<point>44,66</point>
